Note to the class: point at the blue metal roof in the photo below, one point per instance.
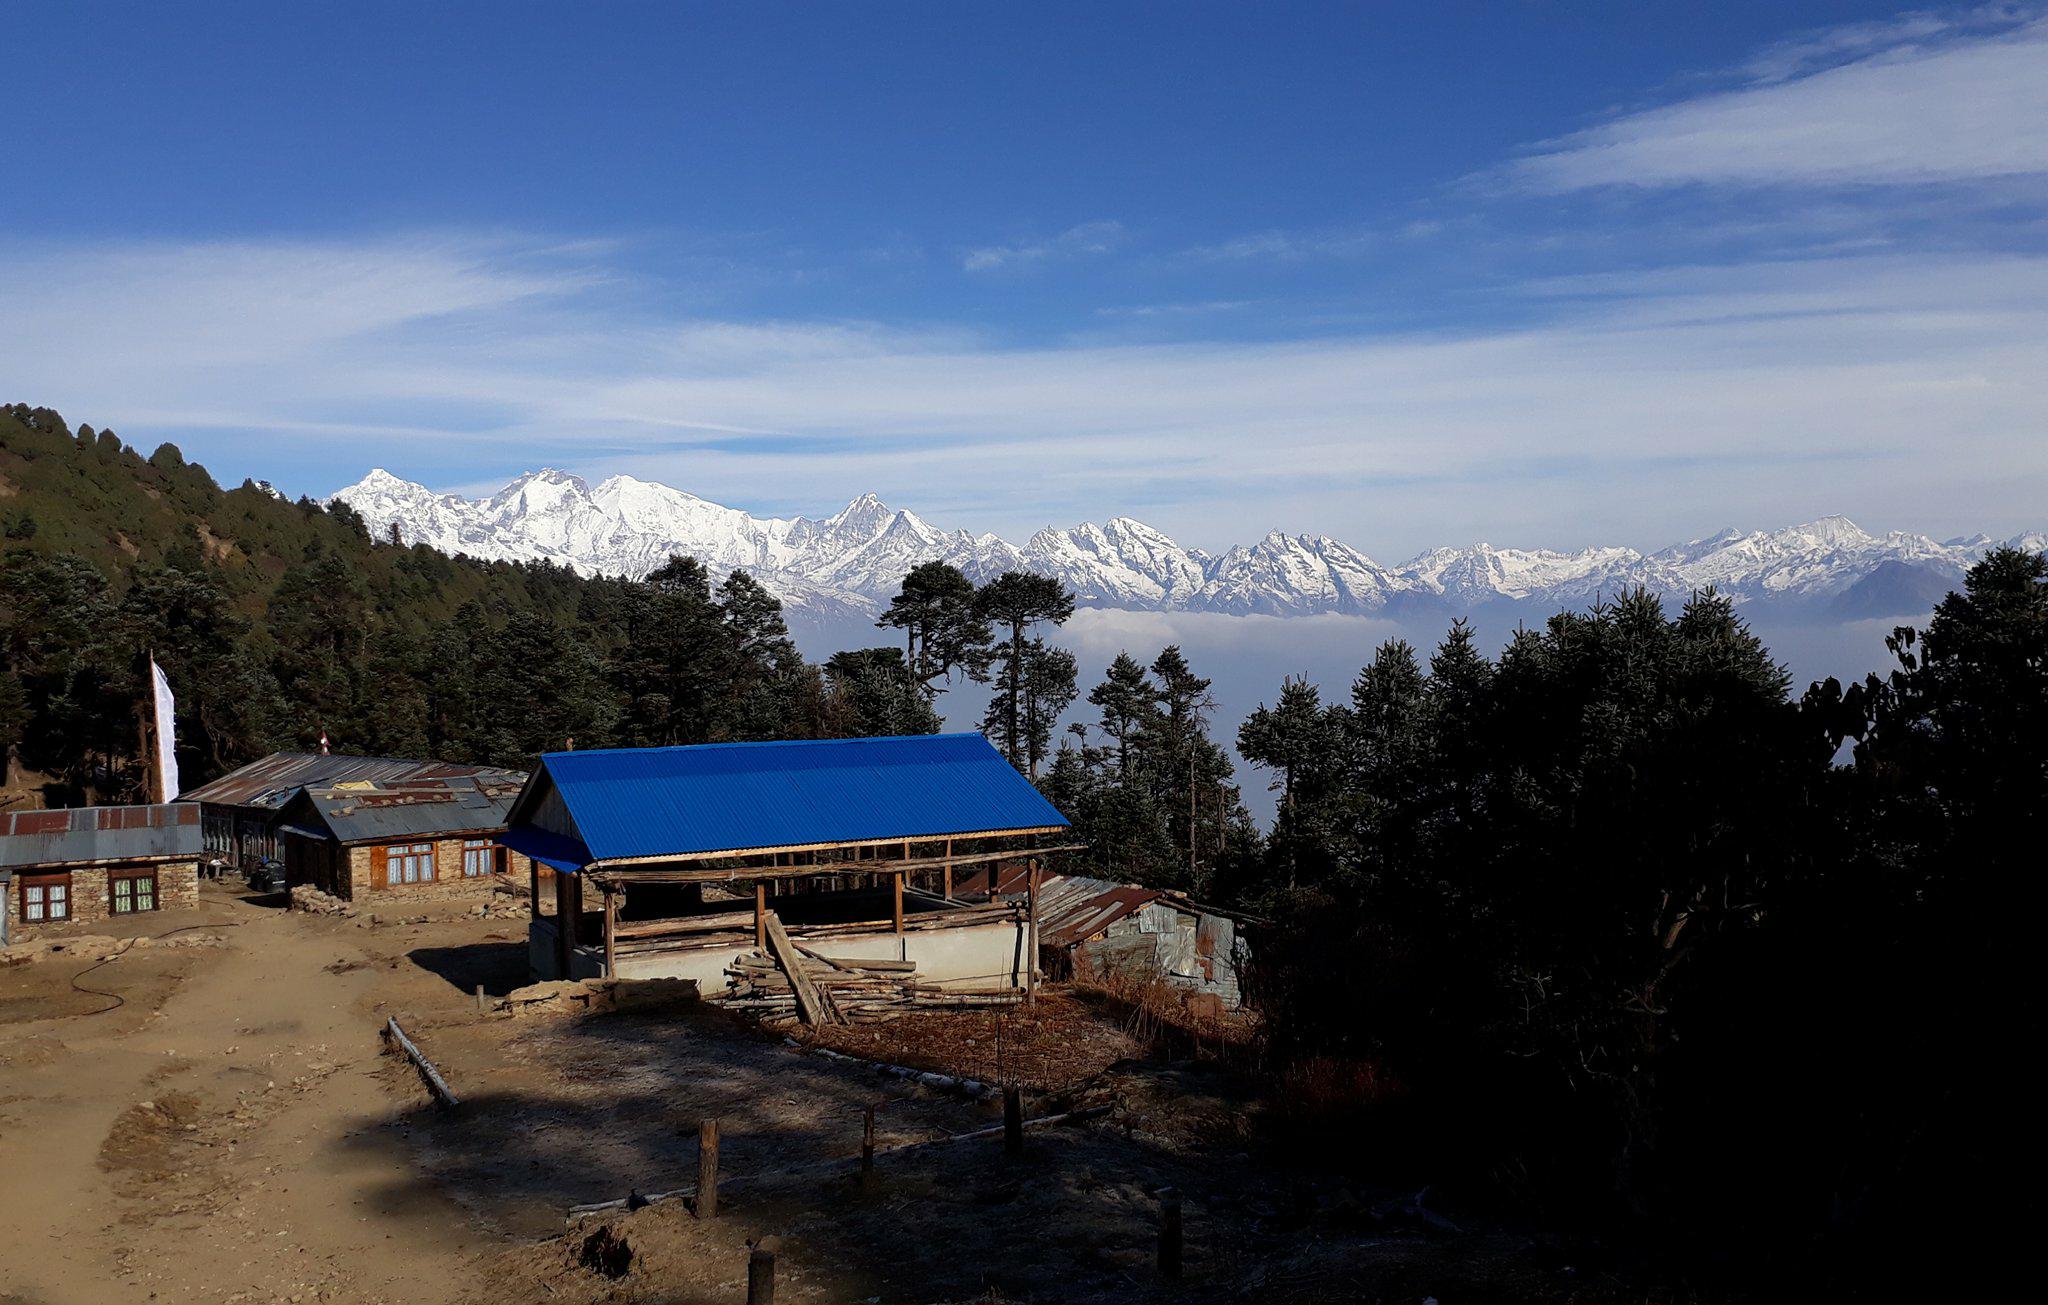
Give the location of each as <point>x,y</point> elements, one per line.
<point>677,802</point>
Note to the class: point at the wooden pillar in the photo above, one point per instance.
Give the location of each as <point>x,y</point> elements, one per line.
<point>760,916</point>
<point>533,886</point>
<point>611,920</point>
<point>896,915</point>
<point>571,918</point>
<point>1031,951</point>
<point>949,870</point>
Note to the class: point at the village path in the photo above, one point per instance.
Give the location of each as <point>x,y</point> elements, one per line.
<point>198,1145</point>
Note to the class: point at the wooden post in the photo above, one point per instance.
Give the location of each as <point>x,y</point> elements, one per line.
<point>949,869</point>
<point>611,920</point>
<point>1013,1121</point>
<point>760,916</point>
<point>707,1169</point>
<point>867,1144</point>
<point>480,999</point>
<point>1031,952</point>
<point>533,886</point>
<point>896,916</point>
<point>1169,1235</point>
<point>761,1273</point>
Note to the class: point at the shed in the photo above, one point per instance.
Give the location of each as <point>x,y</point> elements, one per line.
<point>838,833</point>
<point>1099,928</point>
<point>72,867</point>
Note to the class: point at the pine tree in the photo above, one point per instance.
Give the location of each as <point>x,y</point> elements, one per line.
<point>1032,678</point>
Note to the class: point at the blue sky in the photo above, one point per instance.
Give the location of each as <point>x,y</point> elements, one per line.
<point>1406,274</point>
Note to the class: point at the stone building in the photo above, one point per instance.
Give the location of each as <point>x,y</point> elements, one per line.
<point>243,807</point>
<point>406,839</point>
<point>69,870</point>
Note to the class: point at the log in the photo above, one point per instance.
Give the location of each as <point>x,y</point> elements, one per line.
<point>809,1004</point>
<point>437,1085</point>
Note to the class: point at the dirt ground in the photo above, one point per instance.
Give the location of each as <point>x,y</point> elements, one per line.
<point>215,1121</point>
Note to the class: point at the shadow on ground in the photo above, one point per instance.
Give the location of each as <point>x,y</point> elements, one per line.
<point>498,966</point>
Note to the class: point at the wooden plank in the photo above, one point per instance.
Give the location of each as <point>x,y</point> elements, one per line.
<point>760,915</point>
<point>810,1006</point>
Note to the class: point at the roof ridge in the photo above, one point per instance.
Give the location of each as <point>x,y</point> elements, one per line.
<point>770,743</point>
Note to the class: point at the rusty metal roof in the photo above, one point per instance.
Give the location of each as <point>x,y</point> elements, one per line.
<point>364,811</point>
<point>1071,908</point>
<point>88,835</point>
<point>269,782</point>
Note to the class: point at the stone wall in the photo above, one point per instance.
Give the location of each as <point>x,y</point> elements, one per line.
<point>365,884</point>
<point>92,899</point>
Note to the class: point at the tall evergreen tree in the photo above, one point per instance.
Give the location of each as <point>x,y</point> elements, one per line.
<point>1035,683</point>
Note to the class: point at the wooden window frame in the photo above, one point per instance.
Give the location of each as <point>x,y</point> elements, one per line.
<point>495,857</point>
<point>132,875</point>
<point>46,882</point>
<point>406,851</point>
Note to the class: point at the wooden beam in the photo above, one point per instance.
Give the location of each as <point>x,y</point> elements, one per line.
<point>949,870</point>
<point>810,1007</point>
<point>896,916</point>
<point>868,844</point>
<point>636,872</point>
<point>760,914</point>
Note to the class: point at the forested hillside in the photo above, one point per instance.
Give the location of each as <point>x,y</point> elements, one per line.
<point>277,621</point>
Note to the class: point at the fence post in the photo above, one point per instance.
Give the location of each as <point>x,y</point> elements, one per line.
<point>707,1170</point>
<point>867,1144</point>
<point>761,1273</point>
<point>1013,1121</point>
<point>480,999</point>
<point>1169,1235</point>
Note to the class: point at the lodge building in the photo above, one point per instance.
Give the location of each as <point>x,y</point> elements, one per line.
<point>437,837</point>
<point>243,808</point>
<point>65,871</point>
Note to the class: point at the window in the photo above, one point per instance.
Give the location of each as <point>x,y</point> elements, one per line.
<point>408,863</point>
<point>479,857</point>
<point>134,890</point>
<point>45,898</point>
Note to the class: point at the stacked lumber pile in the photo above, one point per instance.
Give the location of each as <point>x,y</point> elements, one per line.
<point>844,989</point>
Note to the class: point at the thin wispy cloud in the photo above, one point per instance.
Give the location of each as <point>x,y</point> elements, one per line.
<point>1088,238</point>
<point>1910,390</point>
<point>1920,101</point>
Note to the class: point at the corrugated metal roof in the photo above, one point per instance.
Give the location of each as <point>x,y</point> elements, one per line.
<point>1072,908</point>
<point>269,782</point>
<point>673,802</point>
<point>362,811</point>
<point>77,835</point>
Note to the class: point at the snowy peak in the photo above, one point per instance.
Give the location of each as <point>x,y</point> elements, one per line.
<point>854,560</point>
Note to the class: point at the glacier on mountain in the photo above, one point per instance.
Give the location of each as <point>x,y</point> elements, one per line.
<point>851,563</point>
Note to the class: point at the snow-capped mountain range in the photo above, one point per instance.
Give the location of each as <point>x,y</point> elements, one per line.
<point>853,561</point>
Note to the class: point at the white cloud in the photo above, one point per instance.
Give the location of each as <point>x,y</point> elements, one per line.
<point>1909,391</point>
<point>1921,100</point>
<point>1089,238</point>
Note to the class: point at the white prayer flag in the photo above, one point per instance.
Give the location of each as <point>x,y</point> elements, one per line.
<point>166,733</point>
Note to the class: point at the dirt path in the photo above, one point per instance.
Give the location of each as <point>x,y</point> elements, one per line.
<point>197,1145</point>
